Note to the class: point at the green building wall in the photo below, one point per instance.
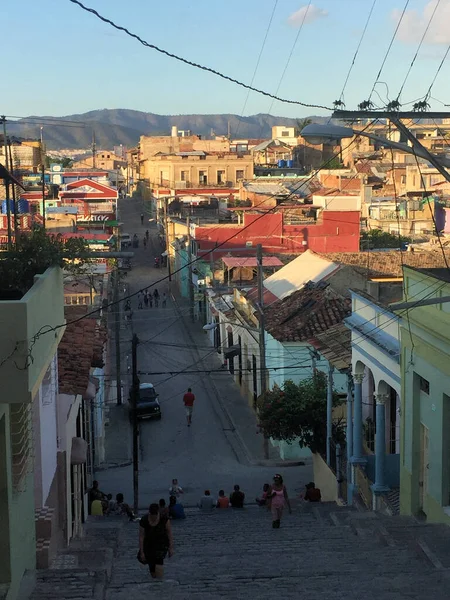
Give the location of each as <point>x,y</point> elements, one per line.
<point>425,338</point>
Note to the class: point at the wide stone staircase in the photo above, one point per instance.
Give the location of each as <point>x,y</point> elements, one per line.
<point>321,551</point>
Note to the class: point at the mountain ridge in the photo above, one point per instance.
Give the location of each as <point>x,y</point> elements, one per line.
<point>113,127</point>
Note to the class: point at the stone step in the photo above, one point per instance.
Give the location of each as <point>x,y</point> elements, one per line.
<point>323,586</point>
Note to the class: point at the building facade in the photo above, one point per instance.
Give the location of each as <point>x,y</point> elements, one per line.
<point>28,412</point>
<point>425,419</point>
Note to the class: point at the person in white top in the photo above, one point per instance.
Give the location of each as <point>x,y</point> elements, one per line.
<point>175,489</point>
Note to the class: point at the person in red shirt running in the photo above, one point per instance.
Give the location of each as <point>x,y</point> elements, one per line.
<point>188,400</point>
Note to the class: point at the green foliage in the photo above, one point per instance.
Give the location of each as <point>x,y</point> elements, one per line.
<point>334,163</point>
<point>301,124</point>
<point>65,162</point>
<point>297,411</point>
<point>376,238</point>
<point>35,252</point>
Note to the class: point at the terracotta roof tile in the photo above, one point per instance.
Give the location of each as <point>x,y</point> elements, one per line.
<point>389,263</point>
<point>80,349</point>
<point>306,313</point>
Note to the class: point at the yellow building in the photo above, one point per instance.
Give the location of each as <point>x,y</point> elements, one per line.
<point>196,168</point>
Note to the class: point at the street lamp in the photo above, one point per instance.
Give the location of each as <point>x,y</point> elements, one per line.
<point>322,134</point>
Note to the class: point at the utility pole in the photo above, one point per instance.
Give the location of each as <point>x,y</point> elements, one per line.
<point>116,309</point>
<point>13,188</point>
<point>8,206</point>
<point>262,340</point>
<point>43,177</point>
<point>190,283</point>
<point>134,398</point>
<point>166,226</point>
<point>329,413</point>
<point>94,151</point>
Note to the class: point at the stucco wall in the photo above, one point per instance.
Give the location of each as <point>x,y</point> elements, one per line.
<point>41,307</point>
<point>426,355</point>
<point>325,479</point>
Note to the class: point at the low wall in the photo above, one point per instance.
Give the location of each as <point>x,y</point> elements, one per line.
<point>325,479</point>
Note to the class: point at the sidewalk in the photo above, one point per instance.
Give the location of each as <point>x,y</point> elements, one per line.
<point>228,395</point>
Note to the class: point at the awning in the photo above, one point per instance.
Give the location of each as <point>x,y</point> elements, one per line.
<point>112,224</point>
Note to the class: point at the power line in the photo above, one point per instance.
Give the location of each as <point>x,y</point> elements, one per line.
<point>388,49</point>
<point>427,95</point>
<point>289,57</point>
<point>341,97</point>
<point>193,64</point>
<point>418,48</point>
<point>257,65</point>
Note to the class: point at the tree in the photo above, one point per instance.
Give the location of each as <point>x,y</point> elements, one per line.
<point>301,124</point>
<point>298,412</point>
<point>334,163</point>
<point>376,238</point>
<point>36,251</point>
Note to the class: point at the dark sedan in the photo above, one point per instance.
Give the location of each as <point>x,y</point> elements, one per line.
<point>147,403</point>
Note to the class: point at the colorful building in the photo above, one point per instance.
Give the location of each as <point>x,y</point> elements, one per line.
<point>425,408</point>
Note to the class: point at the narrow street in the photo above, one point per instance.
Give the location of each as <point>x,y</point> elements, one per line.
<point>206,455</point>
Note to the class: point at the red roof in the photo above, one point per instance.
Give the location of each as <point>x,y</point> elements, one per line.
<point>306,313</point>
<point>251,261</point>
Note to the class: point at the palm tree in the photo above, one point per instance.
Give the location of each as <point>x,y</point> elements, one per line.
<point>301,124</point>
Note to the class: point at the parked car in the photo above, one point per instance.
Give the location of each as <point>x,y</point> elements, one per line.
<point>125,240</point>
<point>147,403</point>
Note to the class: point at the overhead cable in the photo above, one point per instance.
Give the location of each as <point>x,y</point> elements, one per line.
<point>389,47</point>
<point>194,64</point>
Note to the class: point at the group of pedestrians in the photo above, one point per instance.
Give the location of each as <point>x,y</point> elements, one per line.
<point>147,299</point>
<point>234,500</point>
<point>103,505</point>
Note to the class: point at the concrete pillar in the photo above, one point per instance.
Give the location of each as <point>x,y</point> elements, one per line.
<point>358,456</point>
<point>379,487</point>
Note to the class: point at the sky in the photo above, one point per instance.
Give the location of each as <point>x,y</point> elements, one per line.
<point>64,61</point>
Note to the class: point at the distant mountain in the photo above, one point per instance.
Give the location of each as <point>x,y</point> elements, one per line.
<point>123,126</point>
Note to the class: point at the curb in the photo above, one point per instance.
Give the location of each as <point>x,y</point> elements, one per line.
<point>107,466</point>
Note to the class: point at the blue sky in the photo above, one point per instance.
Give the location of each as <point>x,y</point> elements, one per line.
<point>65,61</point>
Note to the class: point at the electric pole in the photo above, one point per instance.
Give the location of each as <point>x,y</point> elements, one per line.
<point>166,226</point>
<point>116,309</point>
<point>94,150</point>
<point>43,177</point>
<point>134,399</point>
<point>13,189</point>
<point>190,282</point>
<point>8,206</point>
<point>262,340</point>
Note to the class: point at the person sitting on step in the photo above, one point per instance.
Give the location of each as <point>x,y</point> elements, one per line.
<point>206,501</point>
<point>223,501</point>
<point>312,493</point>
<point>237,498</point>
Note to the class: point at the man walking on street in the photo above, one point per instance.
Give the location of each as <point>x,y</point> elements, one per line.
<point>142,218</point>
<point>188,400</point>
